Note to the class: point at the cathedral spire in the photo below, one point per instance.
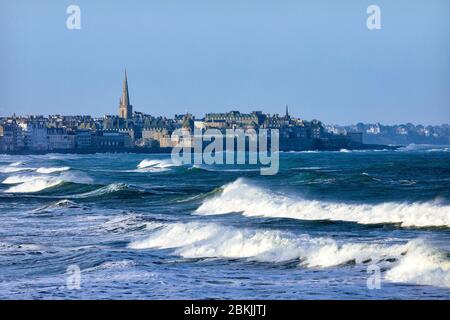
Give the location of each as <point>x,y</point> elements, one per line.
<point>125,108</point>
<point>125,96</point>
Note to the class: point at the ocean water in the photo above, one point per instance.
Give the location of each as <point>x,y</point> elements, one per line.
<point>139,227</point>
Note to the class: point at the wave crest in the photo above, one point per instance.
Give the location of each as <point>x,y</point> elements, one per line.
<point>46,170</point>
<point>413,262</point>
<point>241,196</point>
<point>152,165</point>
<point>37,183</point>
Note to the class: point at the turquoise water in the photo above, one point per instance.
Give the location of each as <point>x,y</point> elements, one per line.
<point>140,227</point>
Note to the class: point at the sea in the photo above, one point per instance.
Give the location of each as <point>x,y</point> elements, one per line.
<point>329,225</point>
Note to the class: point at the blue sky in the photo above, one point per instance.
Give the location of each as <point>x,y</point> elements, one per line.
<point>211,56</point>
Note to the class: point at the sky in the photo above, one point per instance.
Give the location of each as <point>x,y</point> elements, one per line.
<point>196,56</point>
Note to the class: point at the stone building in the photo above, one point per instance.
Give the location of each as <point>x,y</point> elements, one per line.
<point>11,136</point>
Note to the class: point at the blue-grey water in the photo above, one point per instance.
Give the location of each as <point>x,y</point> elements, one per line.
<point>139,227</point>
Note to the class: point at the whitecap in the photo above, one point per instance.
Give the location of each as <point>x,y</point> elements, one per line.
<point>46,170</point>
<point>34,185</point>
<point>250,200</point>
<point>411,262</point>
<point>153,165</point>
<point>13,169</point>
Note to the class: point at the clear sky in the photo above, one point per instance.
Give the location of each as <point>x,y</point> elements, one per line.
<point>217,55</point>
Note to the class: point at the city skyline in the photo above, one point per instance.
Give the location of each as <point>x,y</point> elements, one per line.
<point>191,58</point>
<point>126,112</point>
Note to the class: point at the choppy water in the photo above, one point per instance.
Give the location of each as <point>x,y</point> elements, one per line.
<point>139,227</point>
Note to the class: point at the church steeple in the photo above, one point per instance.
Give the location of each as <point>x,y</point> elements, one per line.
<point>125,108</point>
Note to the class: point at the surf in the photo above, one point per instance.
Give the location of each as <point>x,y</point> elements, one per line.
<point>243,197</point>
<point>411,262</point>
<point>32,183</point>
<point>46,170</point>
<point>153,165</point>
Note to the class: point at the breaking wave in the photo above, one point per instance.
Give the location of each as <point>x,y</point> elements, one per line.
<point>240,196</point>
<point>413,262</point>
<point>37,183</point>
<point>19,167</point>
<point>152,165</point>
<point>46,170</point>
<point>20,178</point>
<point>13,168</point>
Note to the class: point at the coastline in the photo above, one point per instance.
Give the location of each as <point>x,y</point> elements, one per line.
<point>158,150</point>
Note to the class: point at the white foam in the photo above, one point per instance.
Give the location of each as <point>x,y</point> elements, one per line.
<point>152,165</point>
<point>241,196</point>
<point>18,167</point>
<point>13,169</point>
<point>412,262</point>
<point>197,240</point>
<point>20,178</point>
<point>46,170</point>
<point>35,185</point>
<point>422,265</point>
<point>164,163</point>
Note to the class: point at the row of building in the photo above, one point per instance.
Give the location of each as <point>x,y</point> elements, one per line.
<point>131,129</point>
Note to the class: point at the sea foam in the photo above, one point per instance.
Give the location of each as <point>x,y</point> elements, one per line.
<point>242,196</point>
<point>46,170</point>
<point>19,166</point>
<point>152,165</point>
<point>411,262</point>
<point>13,169</point>
<point>35,183</point>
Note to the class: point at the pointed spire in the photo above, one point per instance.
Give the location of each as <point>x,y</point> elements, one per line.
<point>125,96</point>
<point>287,111</point>
<point>125,108</point>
